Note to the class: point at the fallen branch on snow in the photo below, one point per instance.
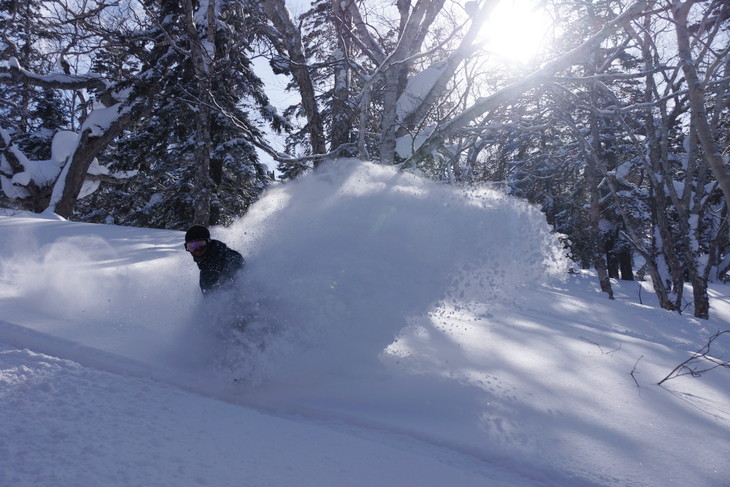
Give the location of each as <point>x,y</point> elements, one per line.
<point>700,362</point>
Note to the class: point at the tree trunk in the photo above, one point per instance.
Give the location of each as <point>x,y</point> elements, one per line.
<point>201,59</point>
<point>700,122</point>
<point>710,147</point>
<point>389,123</point>
<point>594,213</point>
<point>291,42</point>
<point>625,265</point>
<point>655,150</point>
<point>341,123</point>
<point>68,186</point>
<point>612,265</point>
<point>413,27</point>
<point>594,164</point>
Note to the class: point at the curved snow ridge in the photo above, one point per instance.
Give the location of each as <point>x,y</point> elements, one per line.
<point>94,358</point>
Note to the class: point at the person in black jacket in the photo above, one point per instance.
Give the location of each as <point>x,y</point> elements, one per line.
<point>218,263</point>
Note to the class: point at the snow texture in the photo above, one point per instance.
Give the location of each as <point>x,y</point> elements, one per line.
<point>399,332</point>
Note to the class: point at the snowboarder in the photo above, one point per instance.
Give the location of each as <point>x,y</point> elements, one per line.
<point>218,263</point>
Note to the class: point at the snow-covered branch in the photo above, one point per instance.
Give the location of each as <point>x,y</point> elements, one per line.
<point>516,89</point>
<point>15,73</point>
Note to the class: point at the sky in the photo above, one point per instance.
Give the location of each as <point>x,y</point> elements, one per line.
<point>397,332</point>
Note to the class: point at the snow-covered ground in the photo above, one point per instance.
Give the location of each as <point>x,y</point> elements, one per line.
<point>400,333</point>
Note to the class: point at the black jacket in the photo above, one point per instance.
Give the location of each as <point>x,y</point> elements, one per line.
<point>218,266</point>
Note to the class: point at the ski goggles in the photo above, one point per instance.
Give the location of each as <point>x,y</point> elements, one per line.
<point>195,245</point>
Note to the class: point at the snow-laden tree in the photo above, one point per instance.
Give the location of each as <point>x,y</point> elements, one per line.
<point>647,184</point>
<point>351,62</point>
<point>195,148</point>
<point>29,115</point>
<point>174,72</point>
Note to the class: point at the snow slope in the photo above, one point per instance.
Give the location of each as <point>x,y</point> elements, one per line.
<point>400,333</point>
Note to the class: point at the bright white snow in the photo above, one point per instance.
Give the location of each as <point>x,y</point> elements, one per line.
<point>400,333</point>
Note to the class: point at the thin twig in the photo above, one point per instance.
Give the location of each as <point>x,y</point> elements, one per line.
<point>634,371</point>
<point>601,348</point>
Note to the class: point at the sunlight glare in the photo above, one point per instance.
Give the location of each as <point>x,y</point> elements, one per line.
<point>517,29</point>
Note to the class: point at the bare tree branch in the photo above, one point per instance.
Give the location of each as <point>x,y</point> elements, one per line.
<point>509,93</point>
<point>692,366</point>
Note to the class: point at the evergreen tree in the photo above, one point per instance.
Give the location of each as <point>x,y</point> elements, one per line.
<point>29,115</point>
<point>164,146</point>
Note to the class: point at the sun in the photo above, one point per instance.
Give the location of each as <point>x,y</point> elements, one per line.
<point>516,30</point>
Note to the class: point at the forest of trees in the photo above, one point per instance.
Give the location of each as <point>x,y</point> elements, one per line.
<point>150,113</point>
